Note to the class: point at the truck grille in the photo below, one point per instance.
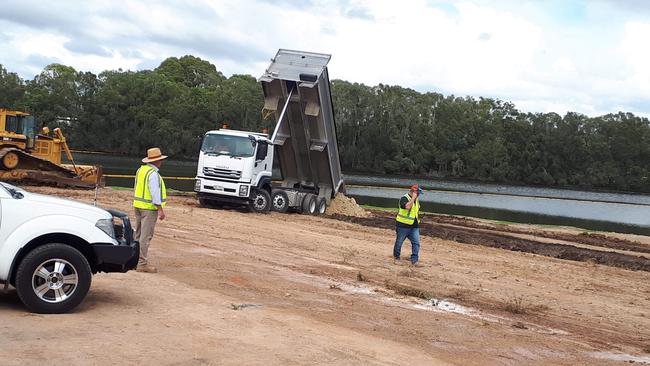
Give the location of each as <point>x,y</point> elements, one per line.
<point>222,173</point>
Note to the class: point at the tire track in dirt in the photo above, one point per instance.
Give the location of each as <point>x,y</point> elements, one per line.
<point>467,235</point>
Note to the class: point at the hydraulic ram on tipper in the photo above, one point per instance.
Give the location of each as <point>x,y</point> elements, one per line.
<point>279,124</point>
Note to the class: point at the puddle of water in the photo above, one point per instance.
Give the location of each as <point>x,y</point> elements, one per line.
<point>328,264</point>
<point>447,306</point>
<point>363,290</point>
<point>204,250</point>
<point>620,357</point>
<point>438,305</point>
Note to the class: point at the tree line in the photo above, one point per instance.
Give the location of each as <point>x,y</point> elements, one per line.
<point>382,129</point>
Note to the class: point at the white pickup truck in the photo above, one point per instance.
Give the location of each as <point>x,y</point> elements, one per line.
<point>50,247</point>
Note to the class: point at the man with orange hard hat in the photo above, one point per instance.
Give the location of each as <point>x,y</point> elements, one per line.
<point>407,224</point>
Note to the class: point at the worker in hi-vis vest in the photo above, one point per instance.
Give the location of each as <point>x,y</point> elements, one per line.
<point>407,222</point>
<point>149,199</point>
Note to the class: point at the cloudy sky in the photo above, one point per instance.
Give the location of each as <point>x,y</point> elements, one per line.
<point>544,55</point>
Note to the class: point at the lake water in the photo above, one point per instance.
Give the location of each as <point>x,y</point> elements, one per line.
<point>591,210</point>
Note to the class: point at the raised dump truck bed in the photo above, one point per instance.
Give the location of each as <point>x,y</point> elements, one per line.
<point>235,167</point>
<point>297,91</point>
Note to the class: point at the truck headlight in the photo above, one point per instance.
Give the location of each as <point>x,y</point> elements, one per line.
<point>243,191</point>
<point>106,225</point>
<point>197,185</point>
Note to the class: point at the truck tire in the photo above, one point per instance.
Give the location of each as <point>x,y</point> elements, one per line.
<point>280,201</point>
<point>321,206</point>
<point>309,204</point>
<point>260,201</point>
<point>53,279</point>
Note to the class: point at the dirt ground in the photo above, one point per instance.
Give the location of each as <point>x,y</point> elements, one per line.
<point>286,289</point>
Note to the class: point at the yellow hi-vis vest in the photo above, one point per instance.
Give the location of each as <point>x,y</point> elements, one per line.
<point>141,192</point>
<point>409,215</point>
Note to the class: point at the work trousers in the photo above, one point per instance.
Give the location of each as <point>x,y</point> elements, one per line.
<point>145,222</point>
<point>413,234</point>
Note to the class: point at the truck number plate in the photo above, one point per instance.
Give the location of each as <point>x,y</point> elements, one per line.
<point>218,188</point>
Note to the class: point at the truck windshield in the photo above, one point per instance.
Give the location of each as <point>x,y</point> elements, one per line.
<point>236,146</point>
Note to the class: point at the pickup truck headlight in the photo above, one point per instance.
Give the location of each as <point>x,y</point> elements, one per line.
<point>243,191</point>
<point>106,225</point>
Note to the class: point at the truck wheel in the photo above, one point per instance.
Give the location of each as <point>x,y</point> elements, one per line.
<point>309,204</point>
<point>280,201</point>
<point>260,201</point>
<point>321,206</point>
<point>53,279</point>
<point>204,203</point>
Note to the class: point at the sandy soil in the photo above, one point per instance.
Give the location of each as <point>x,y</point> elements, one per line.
<point>239,288</point>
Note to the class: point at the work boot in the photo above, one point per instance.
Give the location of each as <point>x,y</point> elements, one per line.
<point>146,268</point>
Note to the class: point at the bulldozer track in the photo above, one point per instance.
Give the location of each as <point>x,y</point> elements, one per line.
<point>30,162</point>
<point>31,169</point>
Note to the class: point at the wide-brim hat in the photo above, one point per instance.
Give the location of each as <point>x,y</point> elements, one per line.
<point>154,154</point>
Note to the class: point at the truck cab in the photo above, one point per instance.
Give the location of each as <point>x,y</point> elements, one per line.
<point>235,168</point>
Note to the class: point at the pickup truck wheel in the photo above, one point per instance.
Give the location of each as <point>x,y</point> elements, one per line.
<point>260,201</point>
<point>53,278</point>
<point>309,204</point>
<point>280,201</point>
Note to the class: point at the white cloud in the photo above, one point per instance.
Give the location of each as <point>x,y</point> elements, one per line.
<point>637,53</point>
<point>528,52</point>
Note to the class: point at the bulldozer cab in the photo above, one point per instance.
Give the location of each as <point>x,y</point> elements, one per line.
<point>17,129</point>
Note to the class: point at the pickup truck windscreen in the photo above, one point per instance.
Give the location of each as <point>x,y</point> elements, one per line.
<point>235,146</point>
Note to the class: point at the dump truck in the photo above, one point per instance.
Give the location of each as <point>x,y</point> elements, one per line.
<point>235,167</point>
<point>26,156</point>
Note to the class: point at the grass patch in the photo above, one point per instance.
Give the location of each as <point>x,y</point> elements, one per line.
<point>519,305</point>
<point>461,294</point>
<point>409,291</point>
<point>348,254</point>
<point>116,188</point>
<point>170,191</point>
<point>377,208</point>
<point>393,209</point>
<point>515,305</point>
<point>361,277</point>
<point>409,272</point>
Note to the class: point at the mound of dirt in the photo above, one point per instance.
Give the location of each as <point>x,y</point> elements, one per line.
<point>346,206</point>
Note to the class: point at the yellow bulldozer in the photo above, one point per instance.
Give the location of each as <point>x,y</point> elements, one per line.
<point>28,156</point>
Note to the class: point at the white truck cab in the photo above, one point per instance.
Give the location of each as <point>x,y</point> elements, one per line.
<point>50,247</point>
<point>235,168</point>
